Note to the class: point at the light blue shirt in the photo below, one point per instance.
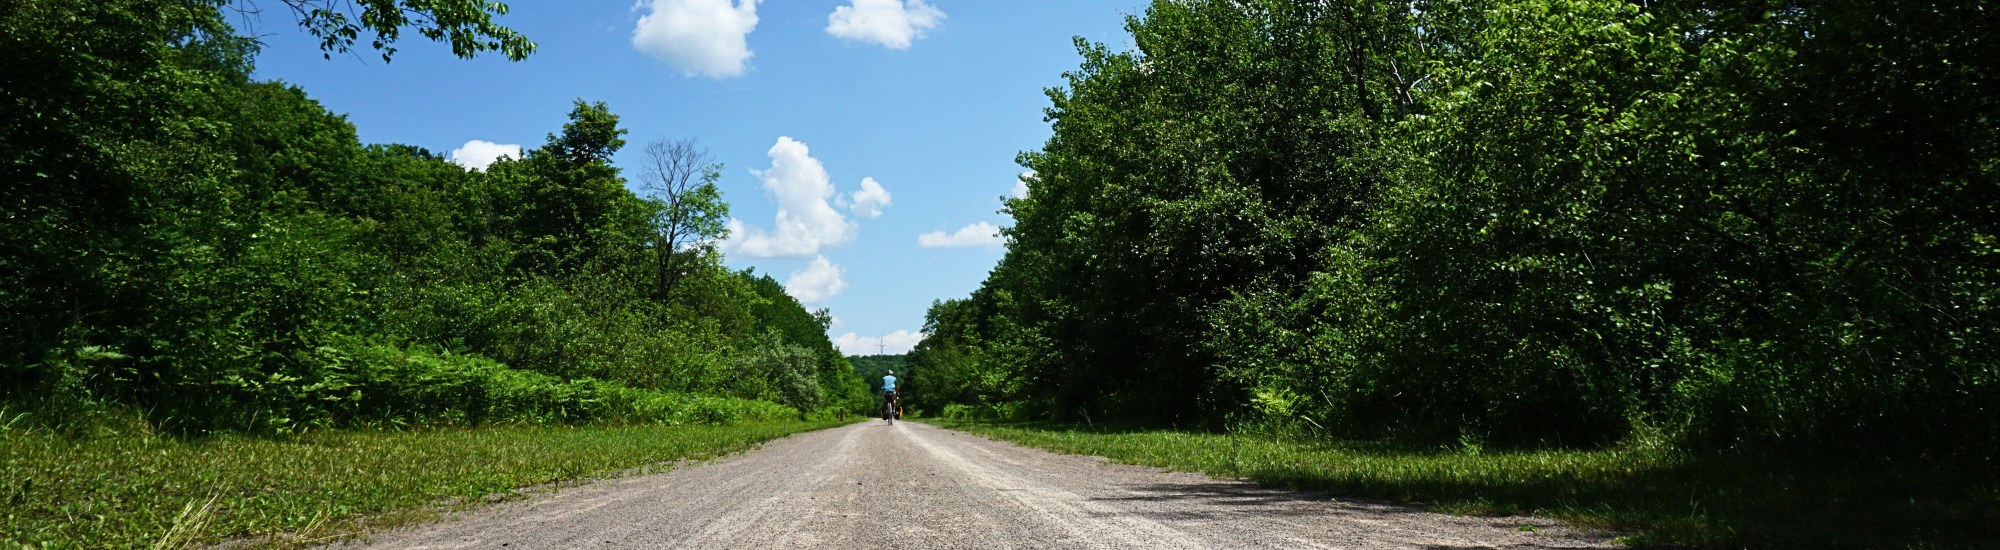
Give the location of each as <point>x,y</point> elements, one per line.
<point>889,383</point>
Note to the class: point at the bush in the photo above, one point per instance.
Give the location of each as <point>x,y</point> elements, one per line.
<point>357,383</point>
<point>1017,411</point>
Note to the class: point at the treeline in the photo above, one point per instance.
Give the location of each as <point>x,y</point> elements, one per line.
<point>1756,225</point>
<point>872,367</point>
<point>204,251</point>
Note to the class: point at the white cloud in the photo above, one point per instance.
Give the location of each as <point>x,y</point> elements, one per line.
<point>869,200</point>
<point>894,343</point>
<point>977,234</point>
<point>891,23</point>
<point>820,280</point>
<point>478,155</point>
<point>1021,184</point>
<point>805,221</point>
<point>697,36</point>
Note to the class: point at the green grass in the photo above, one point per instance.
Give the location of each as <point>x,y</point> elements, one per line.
<point>139,491</point>
<point>1652,494</point>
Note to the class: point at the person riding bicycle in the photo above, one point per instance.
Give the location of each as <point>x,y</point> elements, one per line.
<point>889,389</point>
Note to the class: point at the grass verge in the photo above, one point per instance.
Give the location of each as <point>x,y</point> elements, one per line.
<point>155,492</point>
<point>1658,495</point>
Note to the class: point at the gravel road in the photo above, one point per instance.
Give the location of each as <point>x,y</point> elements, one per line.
<point>912,485</point>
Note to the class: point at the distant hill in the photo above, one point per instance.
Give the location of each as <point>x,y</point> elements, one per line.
<point>871,368</point>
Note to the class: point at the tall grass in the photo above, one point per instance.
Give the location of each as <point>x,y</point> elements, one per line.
<point>359,384</point>
<point>149,491</point>
<point>376,383</point>
<point>1649,492</point>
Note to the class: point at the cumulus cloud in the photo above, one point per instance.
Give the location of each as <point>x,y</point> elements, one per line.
<point>478,155</point>
<point>894,343</point>
<point>891,23</point>
<point>977,234</point>
<point>704,37</point>
<point>820,280</point>
<point>805,221</point>
<point>869,200</point>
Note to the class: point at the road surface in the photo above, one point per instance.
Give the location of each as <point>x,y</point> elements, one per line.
<point>912,485</point>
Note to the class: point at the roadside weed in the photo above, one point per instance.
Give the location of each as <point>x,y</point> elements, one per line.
<point>1649,493</point>
<point>152,492</point>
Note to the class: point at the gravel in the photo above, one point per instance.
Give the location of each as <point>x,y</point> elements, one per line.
<point>912,485</point>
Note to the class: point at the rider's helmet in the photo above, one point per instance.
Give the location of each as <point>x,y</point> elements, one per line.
<point>892,372</point>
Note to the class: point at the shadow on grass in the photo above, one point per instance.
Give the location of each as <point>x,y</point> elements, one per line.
<point>1661,497</point>
<point>1720,501</point>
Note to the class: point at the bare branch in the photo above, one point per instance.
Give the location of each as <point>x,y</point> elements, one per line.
<point>673,175</point>
<point>672,166</point>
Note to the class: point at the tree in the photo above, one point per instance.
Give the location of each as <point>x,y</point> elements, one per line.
<point>687,209</point>
<point>465,24</point>
<point>779,370</point>
<point>1224,155</point>
<point>573,204</point>
<point>205,250</point>
<point>776,310</point>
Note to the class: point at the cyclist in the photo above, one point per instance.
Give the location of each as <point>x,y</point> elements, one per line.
<point>889,391</point>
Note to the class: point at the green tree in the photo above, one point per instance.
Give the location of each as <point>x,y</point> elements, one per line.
<point>780,371</point>
<point>572,205</point>
<point>467,25</point>
<point>688,214</point>
<point>1760,224</point>
<point>1680,210</point>
<point>871,368</point>
<point>1223,155</point>
<point>776,310</point>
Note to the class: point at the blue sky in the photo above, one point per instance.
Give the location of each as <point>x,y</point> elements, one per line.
<point>929,101</point>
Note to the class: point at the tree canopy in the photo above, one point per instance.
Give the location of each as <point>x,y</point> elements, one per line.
<point>209,252</point>
<point>465,25</point>
<point>1759,224</point>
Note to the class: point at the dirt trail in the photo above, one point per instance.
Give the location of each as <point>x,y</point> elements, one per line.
<point>911,485</point>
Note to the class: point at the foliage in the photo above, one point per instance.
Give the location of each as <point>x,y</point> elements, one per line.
<point>467,25</point>
<point>871,368</point>
<point>688,216</point>
<point>1764,227</point>
<point>1015,411</point>
<point>1674,214</point>
<point>1221,156</point>
<point>779,371</point>
<point>385,385</point>
<point>225,255</point>
<point>955,363</point>
<point>780,312</point>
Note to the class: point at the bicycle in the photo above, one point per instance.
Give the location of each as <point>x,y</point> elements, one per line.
<point>890,412</point>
